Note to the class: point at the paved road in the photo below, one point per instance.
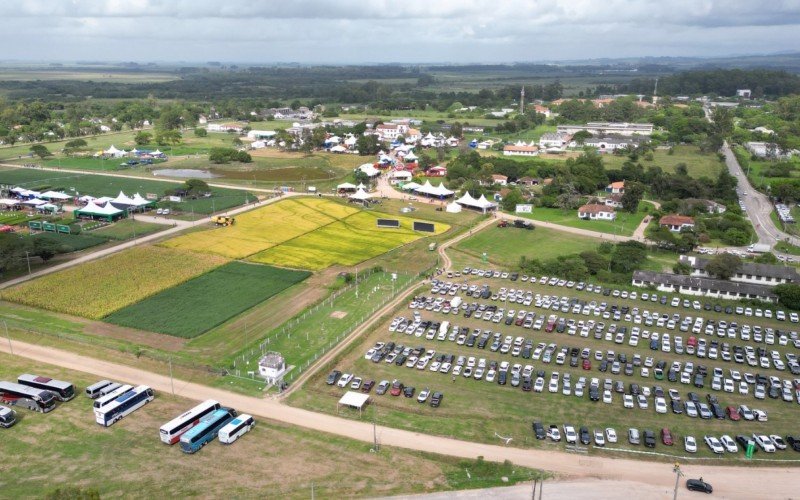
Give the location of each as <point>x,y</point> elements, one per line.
<point>178,226</point>
<point>728,481</point>
<point>758,205</point>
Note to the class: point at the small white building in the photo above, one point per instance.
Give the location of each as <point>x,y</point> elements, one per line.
<point>596,211</point>
<point>272,367</point>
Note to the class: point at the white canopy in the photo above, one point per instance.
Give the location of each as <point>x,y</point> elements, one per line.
<point>429,190</point>
<point>338,149</point>
<point>123,199</point>
<point>453,208</point>
<point>370,170</point>
<point>410,186</point>
<point>86,198</point>
<point>47,206</point>
<point>350,141</point>
<point>346,186</point>
<point>354,399</point>
<point>8,202</point>
<point>54,195</point>
<point>411,156</point>
<point>401,174</point>
<point>34,202</point>
<point>93,209</point>
<point>112,150</point>
<point>156,153</point>
<point>139,201</point>
<point>361,186</point>
<point>360,195</point>
<point>481,203</point>
<point>102,200</point>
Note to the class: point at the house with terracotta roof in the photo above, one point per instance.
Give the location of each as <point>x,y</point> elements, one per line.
<point>522,150</point>
<point>438,171</point>
<point>676,223</point>
<point>499,179</point>
<point>616,187</point>
<point>595,211</point>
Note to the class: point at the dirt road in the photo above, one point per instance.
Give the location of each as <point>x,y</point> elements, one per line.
<point>733,482</point>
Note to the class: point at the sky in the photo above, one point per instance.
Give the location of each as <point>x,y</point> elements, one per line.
<point>382,31</point>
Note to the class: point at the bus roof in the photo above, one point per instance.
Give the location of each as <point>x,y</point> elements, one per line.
<point>60,384</point>
<point>25,389</point>
<point>183,416</point>
<point>126,396</point>
<point>205,423</point>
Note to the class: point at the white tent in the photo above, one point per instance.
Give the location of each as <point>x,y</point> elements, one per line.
<point>360,195</point>
<point>114,152</point>
<point>410,186</point>
<point>440,190</point>
<point>338,149</point>
<point>8,202</point>
<point>401,174</point>
<point>453,208</point>
<point>429,190</point>
<point>370,170</point>
<point>54,195</point>
<point>86,198</point>
<point>411,156</point>
<point>361,186</point>
<point>139,201</point>
<point>350,141</point>
<point>47,207</point>
<point>123,199</point>
<point>102,200</point>
<point>107,211</point>
<point>34,202</point>
<point>481,203</point>
<point>346,187</point>
<point>356,400</point>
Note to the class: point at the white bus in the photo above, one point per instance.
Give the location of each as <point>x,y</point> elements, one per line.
<point>172,430</point>
<point>111,396</point>
<point>28,397</point>
<point>101,388</point>
<point>64,391</point>
<point>236,428</point>
<point>124,405</point>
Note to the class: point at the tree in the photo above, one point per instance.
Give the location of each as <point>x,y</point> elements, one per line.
<point>41,151</point>
<point>45,249</point>
<point>142,138</point>
<point>200,132</point>
<point>627,256</point>
<point>788,295</point>
<point>12,251</point>
<point>196,186</point>
<point>511,200</point>
<point>75,144</point>
<point>724,265</point>
<point>634,191</point>
<point>368,145</point>
<point>170,136</point>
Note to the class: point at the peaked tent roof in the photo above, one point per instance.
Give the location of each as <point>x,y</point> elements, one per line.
<point>410,186</point>
<point>93,209</point>
<point>139,201</point>
<point>112,150</point>
<point>360,195</point>
<point>55,195</point>
<point>123,199</point>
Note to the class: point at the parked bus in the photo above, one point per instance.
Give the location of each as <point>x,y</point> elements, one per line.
<point>101,388</point>
<point>236,428</point>
<point>111,396</point>
<point>64,391</point>
<point>7,417</point>
<point>124,405</point>
<point>208,428</point>
<point>28,397</point>
<point>172,430</point>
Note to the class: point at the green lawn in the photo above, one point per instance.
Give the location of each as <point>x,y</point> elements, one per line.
<point>191,308</point>
<point>625,224</point>
<point>126,229</point>
<point>698,164</point>
<point>72,242</point>
<point>505,246</point>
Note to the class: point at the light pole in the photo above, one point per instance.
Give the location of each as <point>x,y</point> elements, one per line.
<point>28,257</point>
<point>677,470</point>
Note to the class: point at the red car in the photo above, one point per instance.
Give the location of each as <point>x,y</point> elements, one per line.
<point>732,413</point>
<point>666,437</point>
<point>397,388</point>
<point>587,365</point>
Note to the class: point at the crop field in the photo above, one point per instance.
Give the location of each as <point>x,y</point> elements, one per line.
<point>306,233</point>
<point>505,246</point>
<point>195,306</point>
<point>345,242</point>
<point>467,401</point>
<point>98,288</point>
<point>272,457</point>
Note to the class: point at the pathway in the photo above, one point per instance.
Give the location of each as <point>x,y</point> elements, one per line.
<point>728,481</point>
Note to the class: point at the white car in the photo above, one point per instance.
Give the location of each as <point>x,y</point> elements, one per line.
<point>423,395</point>
<point>607,397</point>
<point>764,442</point>
<point>729,444</point>
<point>642,402</point>
<point>627,401</point>
<point>599,439</point>
<point>661,405</point>
<point>539,385</point>
<point>346,379</point>
<point>570,435</point>
<point>714,444</point>
<point>611,435</point>
<point>690,444</point>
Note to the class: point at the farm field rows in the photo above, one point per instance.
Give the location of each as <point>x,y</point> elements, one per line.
<point>98,288</point>
<point>272,457</point>
<point>306,233</point>
<point>195,306</point>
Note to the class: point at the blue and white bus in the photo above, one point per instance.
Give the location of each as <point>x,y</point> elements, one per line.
<point>208,428</point>
<point>171,431</point>
<point>124,405</point>
<point>28,397</point>
<point>236,428</point>
<point>111,396</point>
<point>64,391</point>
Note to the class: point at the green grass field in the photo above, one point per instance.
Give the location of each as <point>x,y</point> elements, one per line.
<point>129,460</point>
<point>126,229</point>
<point>625,224</point>
<point>698,164</point>
<point>505,246</point>
<point>102,185</point>
<point>195,306</point>
<point>72,242</point>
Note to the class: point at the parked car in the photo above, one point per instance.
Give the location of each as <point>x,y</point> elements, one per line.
<point>333,377</point>
<point>699,485</point>
<point>538,430</point>
<point>436,399</point>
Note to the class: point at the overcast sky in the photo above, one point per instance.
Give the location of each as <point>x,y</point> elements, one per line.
<point>354,31</point>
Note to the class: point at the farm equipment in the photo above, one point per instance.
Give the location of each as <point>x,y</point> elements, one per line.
<point>222,220</point>
<point>502,223</point>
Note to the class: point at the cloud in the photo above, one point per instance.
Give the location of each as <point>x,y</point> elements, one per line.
<point>382,30</point>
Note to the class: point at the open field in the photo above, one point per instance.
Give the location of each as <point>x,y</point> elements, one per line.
<point>98,288</point>
<point>197,305</point>
<point>103,185</point>
<point>625,224</point>
<point>126,229</point>
<point>505,246</point>
<point>307,233</point>
<point>468,401</point>
<point>345,242</point>
<point>697,164</point>
<point>272,457</point>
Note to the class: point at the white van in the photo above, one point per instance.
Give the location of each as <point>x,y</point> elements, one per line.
<point>235,428</point>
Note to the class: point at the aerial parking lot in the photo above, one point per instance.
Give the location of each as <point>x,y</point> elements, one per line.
<point>556,363</point>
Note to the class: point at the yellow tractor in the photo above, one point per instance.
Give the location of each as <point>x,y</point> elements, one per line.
<point>222,220</point>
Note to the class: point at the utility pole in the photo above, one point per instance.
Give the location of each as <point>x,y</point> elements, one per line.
<point>10,348</point>
<point>375,445</point>
<point>677,470</point>
<point>28,257</point>
<point>541,489</point>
